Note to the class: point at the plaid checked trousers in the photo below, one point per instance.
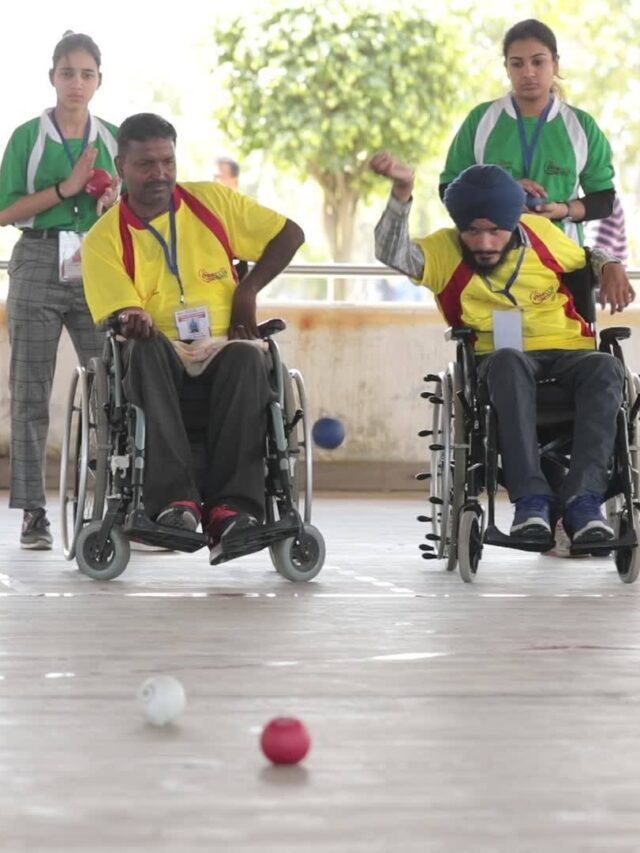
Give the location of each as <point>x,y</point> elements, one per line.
<point>38,306</point>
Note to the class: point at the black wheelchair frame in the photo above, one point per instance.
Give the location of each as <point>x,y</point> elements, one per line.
<point>103,463</point>
<point>464,457</point>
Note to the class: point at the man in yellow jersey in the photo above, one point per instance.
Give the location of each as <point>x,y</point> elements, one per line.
<point>500,273</point>
<point>161,261</point>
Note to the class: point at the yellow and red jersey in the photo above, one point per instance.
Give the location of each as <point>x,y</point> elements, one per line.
<point>549,316</point>
<point>123,263</point>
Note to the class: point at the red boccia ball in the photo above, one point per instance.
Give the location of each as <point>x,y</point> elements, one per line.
<point>285,740</point>
<point>98,183</point>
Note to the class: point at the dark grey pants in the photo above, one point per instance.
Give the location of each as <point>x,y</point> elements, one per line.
<point>38,306</point>
<point>595,382</point>
<point>230,416</point>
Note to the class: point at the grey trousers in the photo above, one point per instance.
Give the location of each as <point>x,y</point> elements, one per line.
<point>594,380</point>
<point>230,415</point>
<point>38,306</point>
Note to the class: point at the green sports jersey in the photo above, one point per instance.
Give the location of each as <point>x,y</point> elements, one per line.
<point>572,153</point>
<point>35,159</point>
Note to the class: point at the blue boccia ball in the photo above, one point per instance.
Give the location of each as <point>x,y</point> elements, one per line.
<point>328,433</point>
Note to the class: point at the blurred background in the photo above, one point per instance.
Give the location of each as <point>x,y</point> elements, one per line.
<point>302,97</point>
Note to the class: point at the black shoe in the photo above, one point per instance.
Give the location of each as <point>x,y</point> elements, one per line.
<point>183,515</point>
<point>35,533</point>
<point>224,521</point>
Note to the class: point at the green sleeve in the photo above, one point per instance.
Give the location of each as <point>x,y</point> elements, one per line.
<point>13,171</point>
<point>598,172</point>
<point>460,154</point>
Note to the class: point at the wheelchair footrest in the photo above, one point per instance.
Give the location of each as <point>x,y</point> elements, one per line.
<point>252,539</point>
<point>601,549</point>
<point>139,527</point>
<point>493,536</point>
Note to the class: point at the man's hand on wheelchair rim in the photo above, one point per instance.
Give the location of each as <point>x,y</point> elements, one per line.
<point>615,288</point>
<point>136,324</point>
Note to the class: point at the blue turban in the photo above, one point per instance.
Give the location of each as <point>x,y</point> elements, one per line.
<point>485,192</point>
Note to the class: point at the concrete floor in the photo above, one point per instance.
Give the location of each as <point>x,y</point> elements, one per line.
<point>501,716</point>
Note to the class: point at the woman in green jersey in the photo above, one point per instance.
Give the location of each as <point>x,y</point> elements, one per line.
<point>556,151</point>
<point>46,166</point>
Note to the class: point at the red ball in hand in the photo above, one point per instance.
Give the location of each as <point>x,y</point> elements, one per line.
<point>285,740</point>
<point>98,183</point>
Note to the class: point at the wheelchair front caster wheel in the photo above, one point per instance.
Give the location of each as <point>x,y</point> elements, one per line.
<point>469,544</point>
<point>299,558</point>
<point>111,562</point>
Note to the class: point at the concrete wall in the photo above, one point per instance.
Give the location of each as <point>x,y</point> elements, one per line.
<point>363,365</point>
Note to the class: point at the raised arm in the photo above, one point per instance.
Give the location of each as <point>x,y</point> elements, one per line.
<point>393,245</point>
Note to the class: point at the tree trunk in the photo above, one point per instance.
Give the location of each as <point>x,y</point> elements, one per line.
<point>339,208</point>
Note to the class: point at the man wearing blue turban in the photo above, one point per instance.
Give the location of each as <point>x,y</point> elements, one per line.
<point>499,272</point>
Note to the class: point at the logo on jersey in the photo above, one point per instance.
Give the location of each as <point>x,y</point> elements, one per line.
<point>539,296</point>
<point>213,276</point>
<point>551,168</point>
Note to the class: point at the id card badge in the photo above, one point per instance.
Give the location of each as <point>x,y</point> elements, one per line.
<point>69,260</point>
<point>507,330</point>
<point>193,323</point>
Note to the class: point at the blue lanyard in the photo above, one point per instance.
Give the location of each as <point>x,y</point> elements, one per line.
<point>528,148</point>
<point>65,144</point>
<point>170,252</point>
<point>506,290</point>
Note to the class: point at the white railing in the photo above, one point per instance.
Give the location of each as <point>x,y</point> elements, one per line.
<point>330,273</point>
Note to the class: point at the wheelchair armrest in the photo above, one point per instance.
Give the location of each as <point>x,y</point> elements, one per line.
<point>271,327</point>
<point>459,333</point>
<point>615,333</point>
<point>111,323</point>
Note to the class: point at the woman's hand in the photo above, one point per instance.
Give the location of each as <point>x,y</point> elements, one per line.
<point>551,210</point>
<point>80,174</point>
<point>533,188</point>
<point>109,197</point>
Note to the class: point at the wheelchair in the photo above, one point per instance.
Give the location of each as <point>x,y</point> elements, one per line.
<point>102,475</point>
<point>464,456</point>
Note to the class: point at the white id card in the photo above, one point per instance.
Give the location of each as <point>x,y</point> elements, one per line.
<point>69,260</point>
<point>507,329</point>
<point>193,323</point>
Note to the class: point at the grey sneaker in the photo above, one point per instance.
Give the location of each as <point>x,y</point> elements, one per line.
<point>35,533</point>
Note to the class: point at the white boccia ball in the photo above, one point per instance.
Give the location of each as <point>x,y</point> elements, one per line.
<point>162,698</point>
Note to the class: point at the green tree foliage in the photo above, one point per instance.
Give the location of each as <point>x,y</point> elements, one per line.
<point>319,89</point>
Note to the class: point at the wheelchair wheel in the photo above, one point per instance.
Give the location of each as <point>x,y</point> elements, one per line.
<point>114,559</point>
<point>299,558</point>
<point>85,452</point>
<point>627,559</point>
<point>298,440</point>
<point>440,463</point>
<point>459,474</point>
<point>469,544</point>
